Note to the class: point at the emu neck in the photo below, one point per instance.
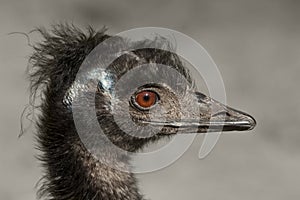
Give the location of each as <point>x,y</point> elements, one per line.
<point>71,172</point>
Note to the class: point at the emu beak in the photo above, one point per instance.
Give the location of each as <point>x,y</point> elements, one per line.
<point>214,117</point>
<point>219,117</point>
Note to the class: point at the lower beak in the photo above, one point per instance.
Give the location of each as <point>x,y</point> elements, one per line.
<point>213,117</point>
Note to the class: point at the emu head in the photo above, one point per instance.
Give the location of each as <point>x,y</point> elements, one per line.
<point>147,94</point>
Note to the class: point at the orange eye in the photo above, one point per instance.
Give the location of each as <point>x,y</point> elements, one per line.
<point>146,99</point>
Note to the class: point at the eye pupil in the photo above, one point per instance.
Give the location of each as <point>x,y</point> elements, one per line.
<point>146,99</point>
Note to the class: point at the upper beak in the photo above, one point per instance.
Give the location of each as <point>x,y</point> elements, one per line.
<point>213,116</point>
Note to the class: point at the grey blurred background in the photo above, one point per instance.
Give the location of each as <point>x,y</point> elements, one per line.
<point>256,45</point>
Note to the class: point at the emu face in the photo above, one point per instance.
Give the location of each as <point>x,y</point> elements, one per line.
<point>154,100</point>
<point>157,105</point>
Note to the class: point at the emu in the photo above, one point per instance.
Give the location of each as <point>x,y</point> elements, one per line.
<point>70,170</point>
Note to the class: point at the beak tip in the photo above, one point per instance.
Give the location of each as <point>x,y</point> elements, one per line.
<point>251,122</point>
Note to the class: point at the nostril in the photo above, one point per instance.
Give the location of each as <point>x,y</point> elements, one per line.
<point>223,113</point>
